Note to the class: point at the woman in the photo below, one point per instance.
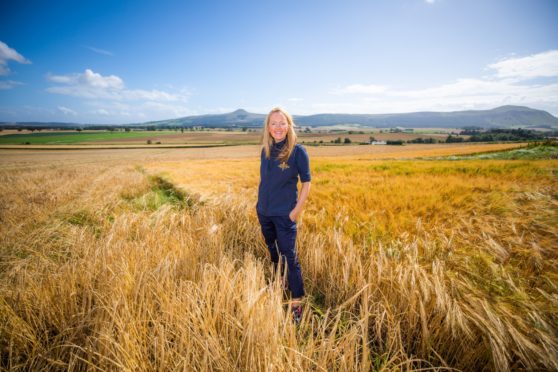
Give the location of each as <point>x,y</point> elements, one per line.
<point>283,161</point>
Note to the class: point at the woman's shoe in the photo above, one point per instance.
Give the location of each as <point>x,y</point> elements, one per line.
<point>297,314</point>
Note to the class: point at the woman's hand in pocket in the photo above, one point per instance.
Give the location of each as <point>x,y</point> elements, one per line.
<point>294,215</point>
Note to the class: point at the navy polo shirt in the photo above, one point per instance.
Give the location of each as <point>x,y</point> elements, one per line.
<point>278,193</point>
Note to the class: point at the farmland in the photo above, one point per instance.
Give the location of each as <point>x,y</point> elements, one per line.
<point>175,137</point>
<point>65,137</point>
<point>152,259</point>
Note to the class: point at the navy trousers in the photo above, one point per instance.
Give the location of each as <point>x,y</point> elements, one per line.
<point>280,237</point>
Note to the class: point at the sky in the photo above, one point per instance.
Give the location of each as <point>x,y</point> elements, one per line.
<point>115,62</point>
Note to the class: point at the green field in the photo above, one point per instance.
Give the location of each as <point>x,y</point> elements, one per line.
<point>531,152</point>
<point>59,138</point>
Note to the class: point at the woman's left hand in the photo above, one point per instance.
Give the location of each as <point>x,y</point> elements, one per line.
<point>294,215</point>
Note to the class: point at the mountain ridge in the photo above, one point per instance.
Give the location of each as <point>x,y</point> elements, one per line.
<point>498,117</point>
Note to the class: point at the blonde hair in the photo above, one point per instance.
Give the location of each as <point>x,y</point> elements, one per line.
<point>267,139</point>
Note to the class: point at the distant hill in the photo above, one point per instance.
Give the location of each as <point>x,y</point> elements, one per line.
<point>238,118</point>
<point>500,117</point>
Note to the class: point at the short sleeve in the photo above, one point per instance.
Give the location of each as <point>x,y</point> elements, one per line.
<point>303,164</point>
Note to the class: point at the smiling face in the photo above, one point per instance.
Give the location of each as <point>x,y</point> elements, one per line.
<point>278,126</point>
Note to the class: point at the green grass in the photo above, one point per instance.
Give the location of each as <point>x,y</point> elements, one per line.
<point>531,152</point>
<point>163,192</point>
<point>64,138</point>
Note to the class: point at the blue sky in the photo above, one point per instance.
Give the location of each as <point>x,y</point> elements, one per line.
<point>133,61</point>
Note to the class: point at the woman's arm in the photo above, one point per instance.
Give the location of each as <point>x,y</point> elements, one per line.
<point>301,199</point>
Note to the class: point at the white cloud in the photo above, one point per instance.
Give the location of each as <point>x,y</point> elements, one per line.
<point>360,89</point>
<point>89,79</point>
<point>165,110</point>
<point>100,51</point>
<point>9,54</point>
<point>137,110</point>
<point>509,85</point>
<point>461,88</point>
<point>110,99</point>
<point>533,66</point>
<point>93,85</point>
<point>96,80</point>
<point>67,111</point>
<point>9,84</point>
<point>152,95</point>
<point>101,112</point>
<point>429,1</point>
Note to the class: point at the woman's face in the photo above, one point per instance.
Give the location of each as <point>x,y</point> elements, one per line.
<point>278,126</point>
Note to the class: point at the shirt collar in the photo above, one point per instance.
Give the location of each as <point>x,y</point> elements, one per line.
<point>280,144</point>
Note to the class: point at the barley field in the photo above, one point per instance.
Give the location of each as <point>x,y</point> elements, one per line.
<point>153,260</point>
